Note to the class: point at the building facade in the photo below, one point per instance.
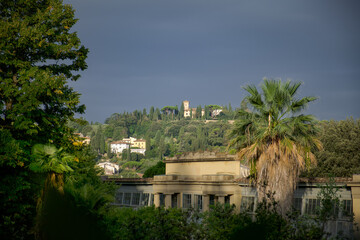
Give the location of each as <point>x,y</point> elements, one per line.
<point>198,180</point>
<point>139,143</point>
<point>119,146</point>
<point>190,112</point>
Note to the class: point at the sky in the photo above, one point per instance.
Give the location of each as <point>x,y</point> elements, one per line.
<point>147,53</point>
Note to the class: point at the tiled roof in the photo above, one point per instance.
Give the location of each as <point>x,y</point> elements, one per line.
<point>119,142</point>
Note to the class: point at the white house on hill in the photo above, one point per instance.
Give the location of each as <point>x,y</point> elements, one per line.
<point>119,146</point>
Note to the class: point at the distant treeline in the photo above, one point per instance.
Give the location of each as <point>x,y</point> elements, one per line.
<point>168,133</point>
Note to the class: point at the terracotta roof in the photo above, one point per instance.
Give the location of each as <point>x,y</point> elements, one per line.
<point>119,142</point>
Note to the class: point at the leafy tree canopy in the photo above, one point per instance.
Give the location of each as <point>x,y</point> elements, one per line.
<point>274,138</point>
<point>340,156</point>
<point>38,54</point>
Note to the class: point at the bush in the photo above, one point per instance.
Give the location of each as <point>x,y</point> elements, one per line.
<point>158,169</point>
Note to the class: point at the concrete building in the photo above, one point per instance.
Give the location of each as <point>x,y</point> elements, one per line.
<point>109,167</point>
<point>118,146</point>
<point>139,143</point>
<point>138,150</point>
<point>199,180</point>
<point>191,112</point>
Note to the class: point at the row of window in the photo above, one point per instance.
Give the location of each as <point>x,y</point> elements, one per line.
<point>187,201</point>
<point>306,206</point>
<point>147,199</point>
<point>134,199</point>
<point>311,206</point>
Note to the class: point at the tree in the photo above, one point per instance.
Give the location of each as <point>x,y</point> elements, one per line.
<point>182,109</point>
<point>151,113</point>
<point>198,112</point>
<point>157,169</point>
<point>38,55</point>
<point>156,115</point>
<point>274,138</point>
<point>54,163</point>
<point>340,155</point>
<point>207,112</point>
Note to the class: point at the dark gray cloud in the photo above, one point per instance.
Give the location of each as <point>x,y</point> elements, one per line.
<point>155,53</point>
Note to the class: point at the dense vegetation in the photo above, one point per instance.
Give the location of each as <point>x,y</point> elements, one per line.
<point>341,149</point>
<point>221,222</point>
<point>49,187</point>
<point>39,155</point>
<point>165,136</point>
<point>275,138</point>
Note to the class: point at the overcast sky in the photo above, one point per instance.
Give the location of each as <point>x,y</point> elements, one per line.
<point>147,53</point>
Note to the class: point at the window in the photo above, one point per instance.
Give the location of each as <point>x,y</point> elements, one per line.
<point>198,202</point>
<point>127,198</point>
<point>152,199</point>
<point>211,200</point>
<point>247,204</point>
<point>135,199</point>
<point>162,199</point>
<point>227,200</point>
<point>119,197</point>
<point>144,199</point>
<point>174,202</point>
<point>297,204</point>
<point>186,200</point>
<point>311,206</point>
<point>347,208</point>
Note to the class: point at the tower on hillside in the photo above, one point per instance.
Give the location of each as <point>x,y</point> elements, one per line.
<point>186,108</point>
<point>186,104</point>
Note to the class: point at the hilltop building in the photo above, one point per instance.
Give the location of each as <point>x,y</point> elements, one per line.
<point>135,145</point>
<point>192,111</point>
<point>109,167</point>
<point>119,146</point>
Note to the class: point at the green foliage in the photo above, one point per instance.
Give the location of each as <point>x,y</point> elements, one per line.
<point>152,223</point>
<point>39,54</point>
<point>10,150</point>
<point>220,222</point>
<point>340,156</point>
<point>72,215</point>
<point>268,223</point>
<point>131,164</point>
<point>158,169</point>
<point>34,94</point>
<point>274,138</point>
<point>47,158</point>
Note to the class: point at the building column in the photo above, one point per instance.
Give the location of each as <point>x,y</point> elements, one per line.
<point>168,201</point>
<point>236,200</point>
<point>355,192</point>
<point>221,199</point>
<point>206,202</point>
<point>157,199</point>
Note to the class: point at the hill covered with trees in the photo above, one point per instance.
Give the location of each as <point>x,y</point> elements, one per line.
<point>168,133</point>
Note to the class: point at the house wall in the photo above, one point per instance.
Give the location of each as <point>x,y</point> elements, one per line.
<point>205,163</point>
<point>203,168</point>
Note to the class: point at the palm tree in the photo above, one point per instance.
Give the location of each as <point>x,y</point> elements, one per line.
<point>274,139</point>
<point>54,163</point>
